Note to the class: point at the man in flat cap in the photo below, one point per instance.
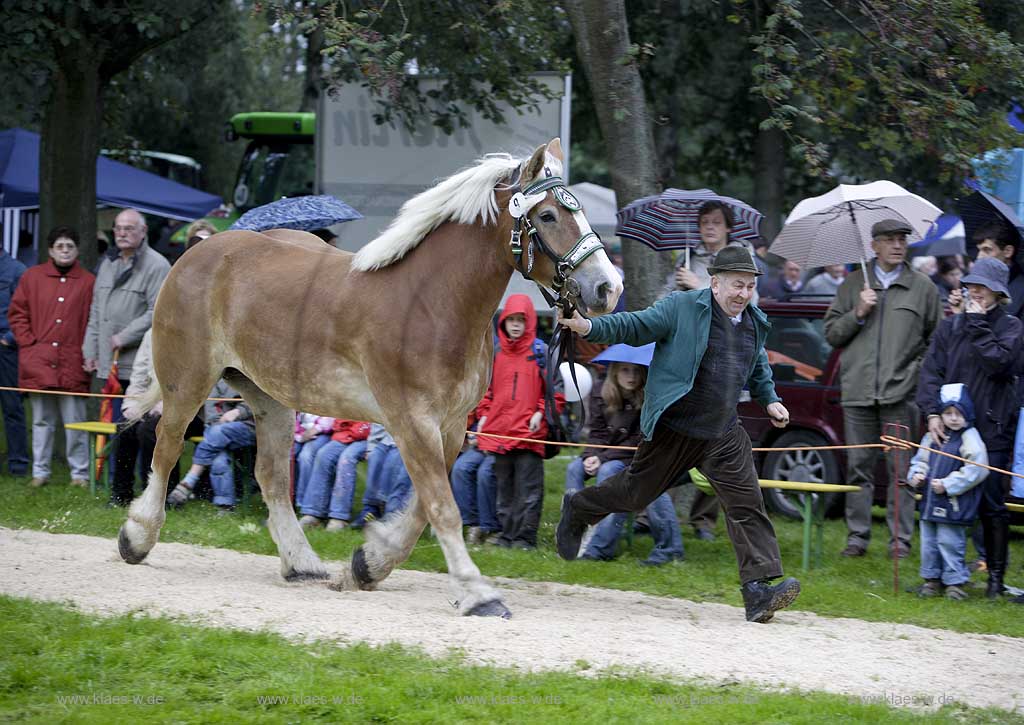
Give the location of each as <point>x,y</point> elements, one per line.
<point>883,325</point>
<point>709,347</point>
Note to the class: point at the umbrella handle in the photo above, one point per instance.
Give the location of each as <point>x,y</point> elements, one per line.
<point>687,262</point>
<point>864,269</point>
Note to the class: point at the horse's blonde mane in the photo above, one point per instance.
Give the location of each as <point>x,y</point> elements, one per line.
<point>463,197</point>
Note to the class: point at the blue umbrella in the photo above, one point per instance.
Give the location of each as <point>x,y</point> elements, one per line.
<point>623,353</point>
<point>304,213</point>
<point>944,239</point>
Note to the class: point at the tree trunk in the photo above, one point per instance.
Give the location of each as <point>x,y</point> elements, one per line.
<point>314,61</point>
<point>603,47</point>
<point>68,149</point>
<point>770,179</point>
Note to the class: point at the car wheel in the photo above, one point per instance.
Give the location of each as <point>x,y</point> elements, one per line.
<point>809,466</point>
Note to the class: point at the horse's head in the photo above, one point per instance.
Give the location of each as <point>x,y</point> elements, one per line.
<point>551,241</point>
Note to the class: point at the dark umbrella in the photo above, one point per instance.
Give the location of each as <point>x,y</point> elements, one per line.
<point>304,213</point>
<point>980,209</point>
<point>669,220</point>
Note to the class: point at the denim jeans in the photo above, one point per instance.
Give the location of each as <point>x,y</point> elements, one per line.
<point>661,515</point>
<point>474,488</point>
<point>943,548</point>
<point>214,451</point>
<point>332,486</point>
<point>14,413</point>
<point>396,486</point>
<point>305,457</point>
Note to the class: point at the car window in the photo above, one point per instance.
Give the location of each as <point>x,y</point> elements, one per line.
<point>797,349</point>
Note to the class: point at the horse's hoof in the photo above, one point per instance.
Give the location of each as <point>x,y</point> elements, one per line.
<point>124,548</point>
<point>493,608</point>
<point>361,571</point>
<point>294,575</point>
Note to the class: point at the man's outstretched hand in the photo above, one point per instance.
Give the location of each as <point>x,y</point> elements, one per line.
<point>577,323</point>
<point>778,414</point>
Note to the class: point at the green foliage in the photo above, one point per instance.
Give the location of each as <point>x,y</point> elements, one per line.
<point>484,51</point>
<point>888,88</point>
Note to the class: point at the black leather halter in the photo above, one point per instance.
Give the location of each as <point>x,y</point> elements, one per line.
<point>567,289</point>
<point>562,283</point>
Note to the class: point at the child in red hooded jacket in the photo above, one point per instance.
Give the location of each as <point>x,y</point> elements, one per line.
<point>514,406</point>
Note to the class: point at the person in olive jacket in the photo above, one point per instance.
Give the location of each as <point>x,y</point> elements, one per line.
<point>883,327</point>
<point>709,345</point>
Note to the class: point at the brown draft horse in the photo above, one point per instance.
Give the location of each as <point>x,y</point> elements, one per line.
<point>399,333</point>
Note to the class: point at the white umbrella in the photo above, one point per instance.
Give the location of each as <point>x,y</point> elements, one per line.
<point>835,228</point>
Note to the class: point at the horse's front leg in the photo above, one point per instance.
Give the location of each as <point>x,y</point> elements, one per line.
<point>428,459</point>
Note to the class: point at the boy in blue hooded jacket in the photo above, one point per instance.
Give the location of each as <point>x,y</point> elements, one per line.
<point>951,495</point>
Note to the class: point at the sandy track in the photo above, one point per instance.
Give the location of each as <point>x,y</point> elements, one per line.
<point>554,625</point>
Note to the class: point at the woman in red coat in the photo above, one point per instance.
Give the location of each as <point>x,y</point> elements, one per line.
<point>48,316</point>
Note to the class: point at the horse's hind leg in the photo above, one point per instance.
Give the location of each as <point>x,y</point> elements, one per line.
<point>140,531</point>
<point>388,544</point>
<point>275,425</point>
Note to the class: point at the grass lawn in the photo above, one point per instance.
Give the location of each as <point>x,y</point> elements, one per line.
<point>57,665</point>
<point>861,588</point>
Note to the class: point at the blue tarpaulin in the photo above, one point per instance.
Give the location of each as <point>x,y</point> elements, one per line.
<point>117,184</point>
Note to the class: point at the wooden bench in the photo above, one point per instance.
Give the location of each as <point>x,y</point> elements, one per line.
<point>812,511</point>
<point>242,458</point>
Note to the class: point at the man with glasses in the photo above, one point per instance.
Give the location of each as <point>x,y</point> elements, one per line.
<point>127,284</point>
<point>883,325</point>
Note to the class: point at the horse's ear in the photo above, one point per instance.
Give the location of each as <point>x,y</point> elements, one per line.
<point>534,166</point>
<point>555,148</point>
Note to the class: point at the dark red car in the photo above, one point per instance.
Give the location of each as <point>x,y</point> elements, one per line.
<point>806,372</point>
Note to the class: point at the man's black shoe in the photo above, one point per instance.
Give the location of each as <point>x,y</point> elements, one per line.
<point>762,599</point>
<point>569,532</point>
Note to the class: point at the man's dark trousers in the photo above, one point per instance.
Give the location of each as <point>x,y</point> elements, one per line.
<point>14,413</point>
<point>728,464</point>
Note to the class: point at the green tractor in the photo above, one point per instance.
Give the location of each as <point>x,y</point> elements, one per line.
<point>278,162</point>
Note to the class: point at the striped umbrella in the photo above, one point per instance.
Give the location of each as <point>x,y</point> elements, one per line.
<point>669,220</point>
<point>835,228</point>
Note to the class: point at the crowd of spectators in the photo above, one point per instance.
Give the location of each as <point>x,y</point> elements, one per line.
<point>62,328</point>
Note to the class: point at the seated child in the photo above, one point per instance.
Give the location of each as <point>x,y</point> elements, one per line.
<point>331,485</point>
<point>474,488</point>
<point>951,495</point>
<point>615,421</point>
<point>229,426</point>
<point>312,432</point>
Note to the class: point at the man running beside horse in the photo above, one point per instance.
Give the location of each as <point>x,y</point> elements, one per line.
<point>710,346</point>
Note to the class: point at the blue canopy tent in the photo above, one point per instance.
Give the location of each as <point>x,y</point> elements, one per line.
<point>117,185</point>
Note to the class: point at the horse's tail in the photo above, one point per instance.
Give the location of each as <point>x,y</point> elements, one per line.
<point>143,402</point>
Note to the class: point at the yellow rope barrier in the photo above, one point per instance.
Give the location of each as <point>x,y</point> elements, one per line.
<point>894,442</point>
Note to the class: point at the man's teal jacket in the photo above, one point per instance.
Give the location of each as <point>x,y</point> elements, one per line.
<point>679,324</point>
